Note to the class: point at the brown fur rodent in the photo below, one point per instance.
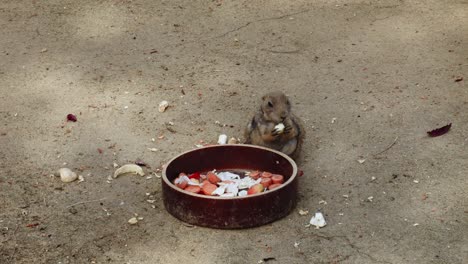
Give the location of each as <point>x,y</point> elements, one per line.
<point>261,130</point>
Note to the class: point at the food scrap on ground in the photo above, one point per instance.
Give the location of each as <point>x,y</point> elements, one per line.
<point>222,139</point>
<point>133,221</point>
<point>72,118</point>
<point>318,220</point>
<point>129,168</point>
<point>303,212</point>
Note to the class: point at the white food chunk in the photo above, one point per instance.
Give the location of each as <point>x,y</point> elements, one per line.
<point>280,127</point>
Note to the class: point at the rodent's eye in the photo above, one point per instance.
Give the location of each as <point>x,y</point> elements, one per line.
<point>270,104</point>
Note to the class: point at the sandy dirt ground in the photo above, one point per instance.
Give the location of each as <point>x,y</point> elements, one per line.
<point>363,75</point>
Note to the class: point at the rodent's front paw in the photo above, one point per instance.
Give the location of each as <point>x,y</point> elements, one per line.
<point>275,133</point>
<point>287,129</point>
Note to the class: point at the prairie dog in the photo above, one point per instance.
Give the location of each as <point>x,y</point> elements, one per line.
<point>275,126</point>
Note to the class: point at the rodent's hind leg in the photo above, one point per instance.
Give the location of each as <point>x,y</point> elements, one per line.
<point>289,147</point>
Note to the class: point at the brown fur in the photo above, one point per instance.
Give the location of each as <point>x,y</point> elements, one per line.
<point>275,108</point>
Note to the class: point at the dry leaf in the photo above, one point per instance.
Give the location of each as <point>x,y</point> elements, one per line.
<point>439,131</point>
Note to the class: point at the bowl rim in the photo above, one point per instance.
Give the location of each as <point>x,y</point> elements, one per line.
<point>171,185</point>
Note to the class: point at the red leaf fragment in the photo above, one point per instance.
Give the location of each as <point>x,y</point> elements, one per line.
<point>140,162</point>
<point>439,131</point>
<point>459,79</point>
<point>32,225</point>
<point>72,117</point>
<point>100,150</point>
<point>195,175</point>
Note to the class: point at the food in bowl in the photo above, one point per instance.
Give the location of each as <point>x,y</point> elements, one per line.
<point>229,183</point>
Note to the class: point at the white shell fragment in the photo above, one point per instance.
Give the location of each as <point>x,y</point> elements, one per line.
<point>222,139</point>
<point>219,191</point>
<point>185,178</point>
<point>80,178</point>
<point>361,161</point>
<point>242,193</point>
<point>247,182</point>
<point>67,175</point>
<point>133,220</point>
<point>182,179</point>
<point>318,220</point>
<point>280,128</point>
<point>163,106</point>
<point>232,189</point>
<point>129,168</point>
<point>226,176</point>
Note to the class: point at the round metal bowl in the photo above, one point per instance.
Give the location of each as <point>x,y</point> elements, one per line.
<point>230,212</point>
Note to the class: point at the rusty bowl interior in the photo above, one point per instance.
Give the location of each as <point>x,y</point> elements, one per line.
<point>230,212</point>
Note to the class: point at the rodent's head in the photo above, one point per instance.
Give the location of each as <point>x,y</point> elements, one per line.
<point>275,106</point>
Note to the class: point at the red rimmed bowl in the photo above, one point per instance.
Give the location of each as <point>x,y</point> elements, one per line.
<point>230,212</point>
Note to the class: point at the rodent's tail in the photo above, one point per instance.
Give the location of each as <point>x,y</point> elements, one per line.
<point>248,131</point>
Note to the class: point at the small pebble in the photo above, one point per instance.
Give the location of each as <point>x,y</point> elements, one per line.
<point>303,212</point>
<point>67,175</point>
<point>163,106</point>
